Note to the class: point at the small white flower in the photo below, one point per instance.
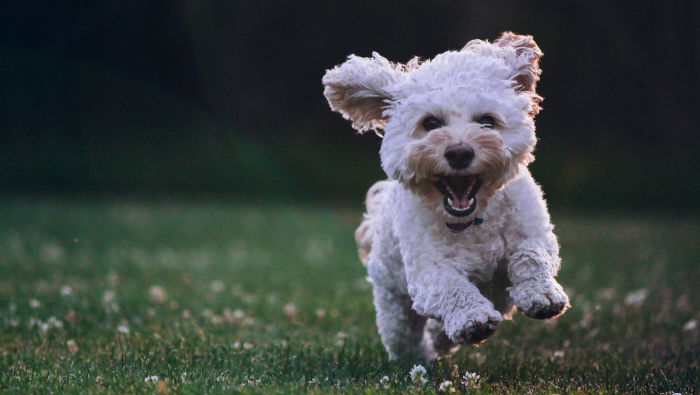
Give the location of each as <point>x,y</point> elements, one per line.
<point>72,346</point>
<point>447,386</point>
<point>690,325</point>
<point>636,298</point>
<point>109,301</point>
<point>150,378</point>
<point>384,381</point>
<point>66,290</point>
<point>217,286</point>
<point>35,304</point>
<point>238,314</point>
<point>54,322</point>
<point>109,296</point>
<point>157,294</point>
<point>123,328</point>
<point>290,309</point>
<point>470,379</point>
<point>320,314</point>
<point>418,374</point>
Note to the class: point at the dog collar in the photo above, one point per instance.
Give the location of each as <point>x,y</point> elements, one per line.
<point>475,221</point>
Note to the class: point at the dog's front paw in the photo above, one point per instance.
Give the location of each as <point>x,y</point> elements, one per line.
<point>474,328</point>
<point>540,299</point>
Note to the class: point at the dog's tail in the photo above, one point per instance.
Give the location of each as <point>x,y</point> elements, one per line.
<point>366,230</point>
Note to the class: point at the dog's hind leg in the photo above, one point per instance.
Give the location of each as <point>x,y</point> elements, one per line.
<point>436,343</point>
<point>365,232</point>
<point>400,327</point>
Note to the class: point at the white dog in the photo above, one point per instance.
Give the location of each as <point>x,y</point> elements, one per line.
<point>460,234</point>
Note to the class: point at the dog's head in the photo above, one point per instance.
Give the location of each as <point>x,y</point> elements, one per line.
<point>457,128</point>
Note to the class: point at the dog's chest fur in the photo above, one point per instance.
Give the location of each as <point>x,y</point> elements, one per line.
<point>419,235</point>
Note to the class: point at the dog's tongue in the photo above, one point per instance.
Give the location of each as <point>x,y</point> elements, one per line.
<point>460,187</point>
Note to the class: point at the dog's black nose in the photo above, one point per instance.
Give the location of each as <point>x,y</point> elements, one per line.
<point>459,156</point>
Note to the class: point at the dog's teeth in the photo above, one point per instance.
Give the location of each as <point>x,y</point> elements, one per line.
<point>449,201</point>
<point>471,201</point>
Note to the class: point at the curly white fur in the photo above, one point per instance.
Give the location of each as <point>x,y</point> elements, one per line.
<point>434,289</point>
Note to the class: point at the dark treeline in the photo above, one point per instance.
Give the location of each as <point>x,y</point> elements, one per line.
<point>225,96</point>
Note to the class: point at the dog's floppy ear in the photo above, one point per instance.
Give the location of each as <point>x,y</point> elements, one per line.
<point>526,72</point>
<point>360,88</point>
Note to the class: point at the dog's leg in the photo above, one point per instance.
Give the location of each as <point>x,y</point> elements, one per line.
<point>436,343</point>
<point>533,253</point>
<point>400,327</point>
<point>535,291</point>
<point>448,296</point>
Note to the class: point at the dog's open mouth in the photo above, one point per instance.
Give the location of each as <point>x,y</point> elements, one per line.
<point>459,193</point>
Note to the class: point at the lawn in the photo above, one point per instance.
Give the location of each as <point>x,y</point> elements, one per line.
<point>197,296</point>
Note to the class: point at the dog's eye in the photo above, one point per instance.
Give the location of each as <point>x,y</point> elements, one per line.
<point>486,121</point>
<point>432,123</point>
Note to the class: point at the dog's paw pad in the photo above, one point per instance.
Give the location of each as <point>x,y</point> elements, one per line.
<point>475,332</point>
<point>478,332</point>
<point>543,312</point>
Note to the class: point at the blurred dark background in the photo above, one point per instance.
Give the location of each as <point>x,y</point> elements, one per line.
<point>221,97</point>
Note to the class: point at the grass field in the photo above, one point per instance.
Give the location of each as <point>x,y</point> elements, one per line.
<point>169,296</point>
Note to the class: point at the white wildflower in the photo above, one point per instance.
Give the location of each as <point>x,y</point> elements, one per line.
<point>72,346</point>
<point>384,381</point>
<point>418,374</point>
<point>54,322</point>
<point>470,379</point>
<point>157,295</point>
<point>123,328</point>
<point>217,286</point>
<point>320,314</point>
<point>66,290</point>
<point>636,298</point>
<point>109,296</point>
<point>690,325</point>
<point>290,309</point>
<point>109,301</point>
<point>35,304</point>
<point>150,378</point>
<point>340,338</point>
<point>447,386</point>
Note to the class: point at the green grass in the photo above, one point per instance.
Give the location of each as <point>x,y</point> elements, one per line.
<point>269,299</point>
